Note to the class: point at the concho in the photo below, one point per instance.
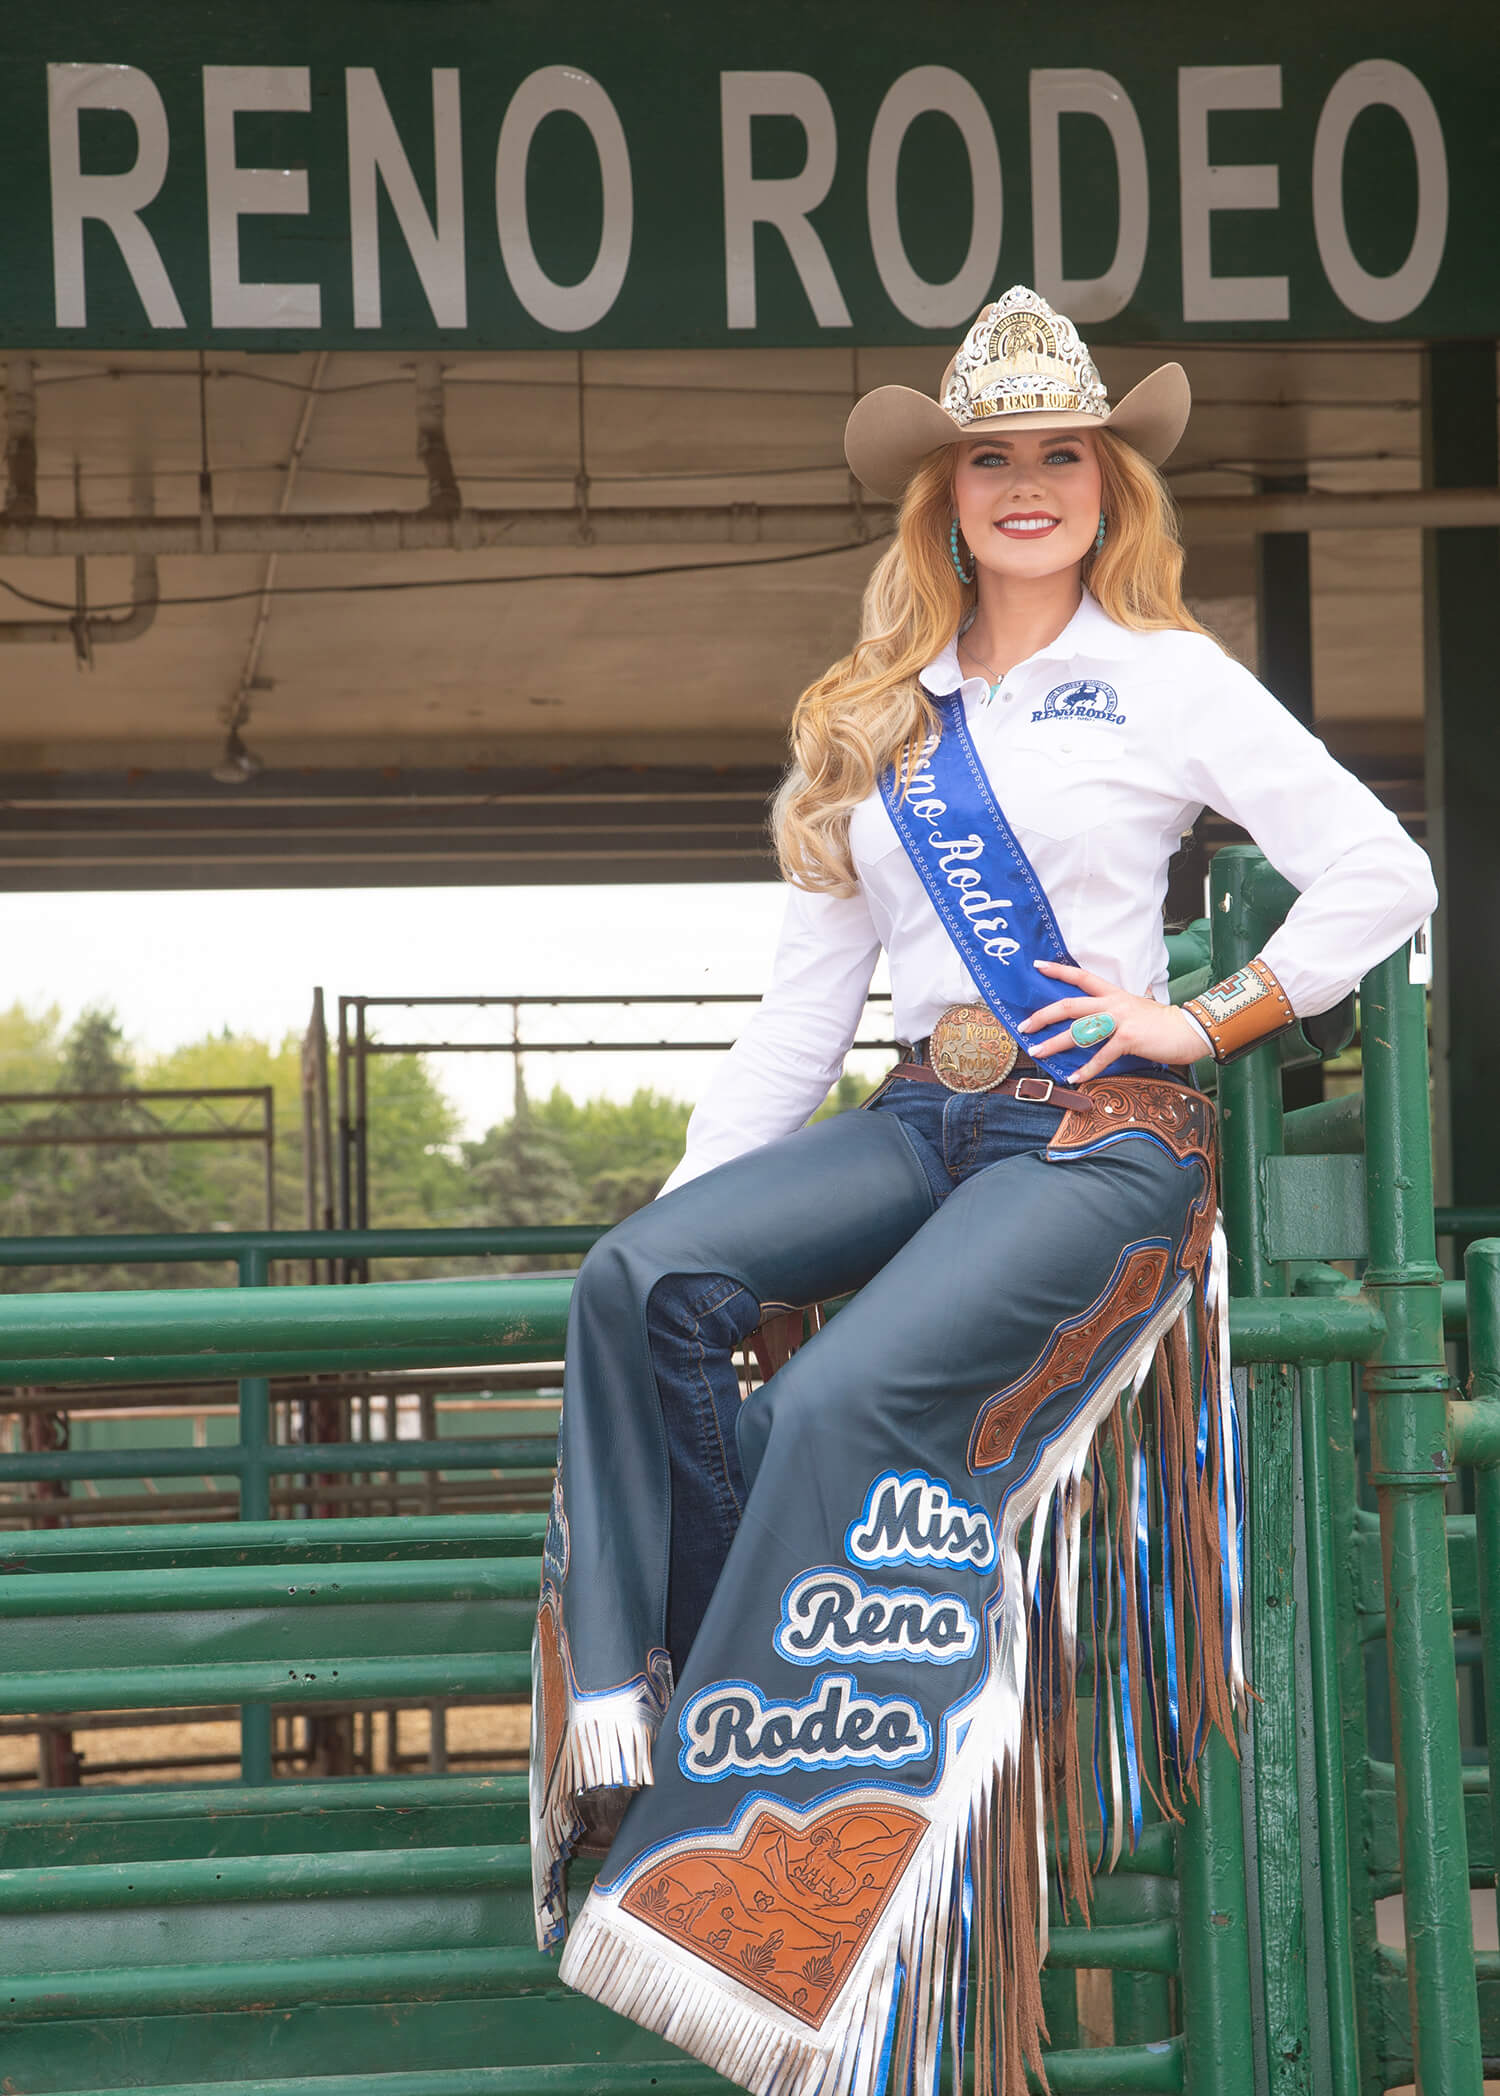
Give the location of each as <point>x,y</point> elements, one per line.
<point>970,1050</point>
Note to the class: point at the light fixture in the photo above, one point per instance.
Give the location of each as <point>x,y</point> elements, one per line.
<point>237,766</point>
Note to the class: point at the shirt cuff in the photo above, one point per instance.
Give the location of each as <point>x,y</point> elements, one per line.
<point>1208,1046</point>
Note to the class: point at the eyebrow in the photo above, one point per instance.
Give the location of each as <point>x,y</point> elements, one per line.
<point>1061,436</point>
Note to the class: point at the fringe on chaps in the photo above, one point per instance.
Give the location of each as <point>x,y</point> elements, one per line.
<point>826,1949</point>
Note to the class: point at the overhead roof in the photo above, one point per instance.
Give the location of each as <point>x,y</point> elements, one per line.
<point>573,711</point>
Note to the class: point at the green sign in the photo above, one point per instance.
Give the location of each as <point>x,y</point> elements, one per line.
<point>506,174</point>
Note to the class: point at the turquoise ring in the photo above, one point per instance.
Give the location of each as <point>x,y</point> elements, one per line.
<point>1090,1031</point>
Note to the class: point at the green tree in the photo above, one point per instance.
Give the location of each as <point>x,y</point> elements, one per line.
<point>519,1174</point>
<point>620,1151</point>
<point>68,1188</point>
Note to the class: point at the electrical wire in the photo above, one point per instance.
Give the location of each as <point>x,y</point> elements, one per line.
<point>376,589</point>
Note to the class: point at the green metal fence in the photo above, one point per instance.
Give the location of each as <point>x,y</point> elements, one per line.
<point>374,1935</point>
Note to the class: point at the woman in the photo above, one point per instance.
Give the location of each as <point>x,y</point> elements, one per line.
<point>821,1643</point>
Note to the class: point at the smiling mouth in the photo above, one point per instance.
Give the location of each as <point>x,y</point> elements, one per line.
<point>1027,527</point>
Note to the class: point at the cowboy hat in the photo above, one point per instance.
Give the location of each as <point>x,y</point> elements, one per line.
<point>1022,364</point>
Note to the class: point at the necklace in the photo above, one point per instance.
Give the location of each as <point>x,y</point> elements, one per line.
<point>995,682</point>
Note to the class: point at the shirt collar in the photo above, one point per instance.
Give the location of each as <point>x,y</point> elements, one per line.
<point>1091,632</point>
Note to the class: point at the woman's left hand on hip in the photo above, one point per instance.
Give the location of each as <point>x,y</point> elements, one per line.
<point>1158,1032</point>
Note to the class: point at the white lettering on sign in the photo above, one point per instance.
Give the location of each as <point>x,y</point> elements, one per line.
<point>952,302</point>
<point>116,200</point>
<point>236,192</point>
<point>1206,189</point>
<point>829,1614</point>
<point>436,245</point>
<point>1080,91</point>
<point>728,1729</point>
<point>916,1520</point>
<point>567,308</point>
<point>783,201</point>
<point>1380,81</point>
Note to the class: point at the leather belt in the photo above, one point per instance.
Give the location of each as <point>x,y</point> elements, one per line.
<point>1033,1088</point>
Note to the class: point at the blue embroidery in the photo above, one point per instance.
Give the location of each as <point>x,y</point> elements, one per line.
<point>829,1614</point>
<point>914,1519</point>
<point>1082,699</point>
<point>728,1729</point>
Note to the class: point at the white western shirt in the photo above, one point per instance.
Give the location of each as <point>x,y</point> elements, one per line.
<point>1102,748</point>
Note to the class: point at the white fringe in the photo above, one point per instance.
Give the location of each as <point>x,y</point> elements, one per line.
<point>606,1744</point>
<point>1218,1309</point>
<point>915,1962</point>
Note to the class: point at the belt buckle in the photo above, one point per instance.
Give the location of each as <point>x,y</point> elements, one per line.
<point>1037,1098</point>
<point>970,1050</point>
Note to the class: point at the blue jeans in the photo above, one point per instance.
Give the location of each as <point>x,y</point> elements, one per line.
<point>694,1322</point>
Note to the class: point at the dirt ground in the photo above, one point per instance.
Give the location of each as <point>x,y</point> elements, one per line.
<point>496,1734</point>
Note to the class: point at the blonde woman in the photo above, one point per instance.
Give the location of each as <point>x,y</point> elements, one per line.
<point>806,1662</point>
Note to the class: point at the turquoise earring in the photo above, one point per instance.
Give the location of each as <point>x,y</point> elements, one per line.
<point>1099,536</point>
<point>958,566</point>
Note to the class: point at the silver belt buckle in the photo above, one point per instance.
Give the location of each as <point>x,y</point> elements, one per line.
<point>1037,1098</point>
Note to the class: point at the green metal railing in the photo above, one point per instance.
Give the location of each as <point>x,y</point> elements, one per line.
<point>1243,1943</point>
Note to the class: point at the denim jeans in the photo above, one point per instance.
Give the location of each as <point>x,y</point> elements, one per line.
<point>694,1322</point>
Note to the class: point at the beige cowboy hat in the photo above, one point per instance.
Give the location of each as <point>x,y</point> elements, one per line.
<point>1021,362</point>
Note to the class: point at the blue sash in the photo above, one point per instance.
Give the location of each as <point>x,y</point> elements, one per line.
<point>983,886</point>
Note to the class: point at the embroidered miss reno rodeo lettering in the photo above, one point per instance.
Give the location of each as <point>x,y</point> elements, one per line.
<point>828,1614</point>
<point>914,1519</point>
<point>1084,699</point>
<point>729,1729</point>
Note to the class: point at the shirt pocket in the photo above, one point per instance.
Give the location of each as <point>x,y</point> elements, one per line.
<point>1049,788</point>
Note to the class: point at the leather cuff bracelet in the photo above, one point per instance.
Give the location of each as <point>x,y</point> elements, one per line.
<point>1243,1010</point>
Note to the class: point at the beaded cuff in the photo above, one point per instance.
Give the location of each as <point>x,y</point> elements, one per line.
<point>1243,1010</point>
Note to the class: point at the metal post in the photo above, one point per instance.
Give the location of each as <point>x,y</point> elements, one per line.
<point>1460,570</point>
<point>1322,1389</point>
<point>1250,1129</point>
<point>1214,1933</point>
<point>361,1120</point>
<point>346,1204</point>
<point>270,1124</point>
<point>256,1761</point>
<point>1406,1384</point>
<point>1482,1273</point>
<point>1284,658</point>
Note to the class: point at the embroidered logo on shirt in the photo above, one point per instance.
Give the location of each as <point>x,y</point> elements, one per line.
<point>1081,700</point>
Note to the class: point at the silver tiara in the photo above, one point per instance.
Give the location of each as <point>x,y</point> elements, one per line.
<point>1021,355</point>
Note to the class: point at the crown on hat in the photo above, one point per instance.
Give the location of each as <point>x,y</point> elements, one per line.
<point>1021,355</point>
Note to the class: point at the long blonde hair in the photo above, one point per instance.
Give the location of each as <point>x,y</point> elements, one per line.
<point>869,709</point>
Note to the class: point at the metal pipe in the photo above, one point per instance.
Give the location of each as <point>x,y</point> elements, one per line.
<point>1331,1126</point>
<point>95,629</point>
<point>209,1247</point>
<point>332,1583</point>
<point>444,496</point>
<point>20,439</point>
<point>698,524</point>
<point>536,1452</point>
<point>1407,1387</point>
<point>260,1683</point>
<point>1244,909</point>
<point>1482,1271</point>
<point>1318,1386</point>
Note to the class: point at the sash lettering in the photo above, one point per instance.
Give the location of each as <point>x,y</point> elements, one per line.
<point>728,1729</point>
<point>828,1614</point>
<point>915,1520</point>
<point>980,882</point>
